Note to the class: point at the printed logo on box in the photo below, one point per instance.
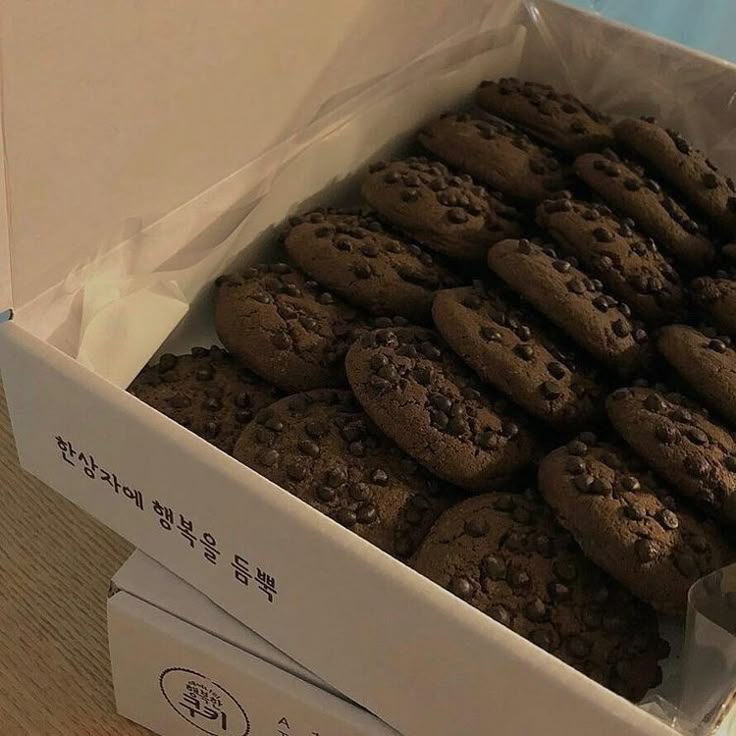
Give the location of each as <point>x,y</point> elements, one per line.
<point>203,703</point>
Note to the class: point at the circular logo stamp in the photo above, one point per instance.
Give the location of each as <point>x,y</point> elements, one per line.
<point>203,703</point>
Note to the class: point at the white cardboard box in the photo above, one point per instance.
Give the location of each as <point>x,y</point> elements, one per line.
<point>137,136</point>
<point>182,666</point>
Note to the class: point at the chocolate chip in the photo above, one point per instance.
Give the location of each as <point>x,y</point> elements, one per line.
<point>167,362</point>
<point>366,513</point>
<point>577,447</point>
<point>556,370</point>
<point>710,180</point>
<point>518,578</point>
<point>360,491</point>
<point>550,390</point>
<point>476,527</point>
<point>537,167</point>
<point>269,458</point>
<point>491,334</point>
<point>493,567</point>
<point>682,145</point>
<point>718,346</point>
<point>646,550</point>
<point>630,483</point>
<point>211,429</point>
<point>525,352</point>
<point>461,587</point>
<point>668,519</point>
<point>634,512</point>
<point>409,195</point>
<point>346,517</point>
<point>730,462</point>
<point>633,185</point>
<point>575,465</point>
<point>536,611</point>
<point>697,436</point>
<point>379,477</point>
<point>326,494</point>
<point>500,614</point>
<point>205,373</point>
<point>457,216</point>
<point>584,483</point>
<point>621,328</point>
<point>697,467</point>
<point>600,487</point>
<point>472,301</point>
<point>655,404</point>
<point>665,433</point>
<point>576,286</point>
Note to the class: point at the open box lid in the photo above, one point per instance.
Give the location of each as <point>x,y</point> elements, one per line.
<point>115,114</point>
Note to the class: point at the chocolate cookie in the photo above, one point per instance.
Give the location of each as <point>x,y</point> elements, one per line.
<point>284,327</point>
<point>708,364</point>
<point>320,446</point>
<point>575,303</point>
<point>625,187</point>
<point>495,153</point>
<point>627,522</point>
<point>504,554</point>
<point>508,349</point>
<point>684,167</point>
<point>414,388</point>
<point>560,120</point>
<point>692,452</point>
<point>715,298</point>
<point>353,256</point>
<point>447,213</point>
<point>206,391</point>
<point>610,248</point>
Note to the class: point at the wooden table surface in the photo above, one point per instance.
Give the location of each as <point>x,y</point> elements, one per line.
<point>55,567</point>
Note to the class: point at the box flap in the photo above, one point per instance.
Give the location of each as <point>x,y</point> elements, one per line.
<point>117,113</point>
<point>145,579</point>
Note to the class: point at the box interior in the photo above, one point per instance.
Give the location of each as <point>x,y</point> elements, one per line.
<point>97,301</point>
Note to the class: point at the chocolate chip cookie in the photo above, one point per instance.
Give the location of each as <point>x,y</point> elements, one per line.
<point>692,452</point>
<point>504,554</point>
<point>447,213</point>
<point>284,327</point>
<point>568,298</point>
<point>715,298</point>
<point>684,167</point>
<point>320,446</point>
<point>626,188</point>
<point>206,392</point>
<point>612,249</point>
<point>560,120</point>
<point>495,153</point>
<point>627,522</point>
<point>506,346</point>
<point>708,364</point>
<point>416,390</point>
<point>355,257</point>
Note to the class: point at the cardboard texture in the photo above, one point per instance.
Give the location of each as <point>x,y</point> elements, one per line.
<point>362,622</point>
<point>182,666</point>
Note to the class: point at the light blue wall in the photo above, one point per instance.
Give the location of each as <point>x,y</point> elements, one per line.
<point>709,25</point>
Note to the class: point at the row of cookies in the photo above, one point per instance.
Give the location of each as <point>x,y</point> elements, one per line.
<point>291,327</point>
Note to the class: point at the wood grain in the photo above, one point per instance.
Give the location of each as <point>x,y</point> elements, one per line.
<point>55,567</point>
